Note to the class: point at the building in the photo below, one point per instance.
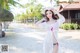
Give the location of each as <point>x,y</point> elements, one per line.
<point>71,10</point>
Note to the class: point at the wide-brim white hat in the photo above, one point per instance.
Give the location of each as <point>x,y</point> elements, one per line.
<point>54,9</point>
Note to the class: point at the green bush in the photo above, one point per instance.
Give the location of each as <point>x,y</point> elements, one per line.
<point>65,26</point>
<point>74,26</point>
<point>78,26</point>
<point>70,26</point>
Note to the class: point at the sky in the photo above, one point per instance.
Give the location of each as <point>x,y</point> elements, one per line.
<point>17,10</point>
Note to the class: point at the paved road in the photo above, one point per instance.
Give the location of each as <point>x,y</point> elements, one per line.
<point>23,39</point>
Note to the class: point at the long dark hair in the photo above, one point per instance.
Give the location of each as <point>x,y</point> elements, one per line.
<point>54,16</point>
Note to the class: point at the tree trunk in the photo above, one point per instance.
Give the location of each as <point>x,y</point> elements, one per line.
<point>34,19</point>
<point>4,26</point>
<point>0,29</point>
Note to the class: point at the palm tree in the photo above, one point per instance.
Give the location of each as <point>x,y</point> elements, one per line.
<point>33,10</point>
<point>5,6</point>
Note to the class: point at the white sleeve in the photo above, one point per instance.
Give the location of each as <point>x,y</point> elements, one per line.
<point>40,21</point>
<point>61,19</point>
<point>39,24</point>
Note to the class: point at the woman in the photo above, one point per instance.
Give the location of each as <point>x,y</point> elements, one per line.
<point>51,22</point>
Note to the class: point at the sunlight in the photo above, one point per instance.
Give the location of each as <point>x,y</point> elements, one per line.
<point>33,35</point>
<point>18,10</point>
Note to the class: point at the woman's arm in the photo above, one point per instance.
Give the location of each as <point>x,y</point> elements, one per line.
<point>40,21</point>
<point>61,18</point>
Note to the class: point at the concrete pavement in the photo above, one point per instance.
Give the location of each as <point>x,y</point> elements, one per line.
<point>23,39</point>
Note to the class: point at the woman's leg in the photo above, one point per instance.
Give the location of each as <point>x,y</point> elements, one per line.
<point>55,48</point>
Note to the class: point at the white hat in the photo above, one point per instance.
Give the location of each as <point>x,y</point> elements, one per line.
<point>47,8</point>
<point>54,9</point>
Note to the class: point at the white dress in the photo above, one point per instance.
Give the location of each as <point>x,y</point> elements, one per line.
<point>49,38</point>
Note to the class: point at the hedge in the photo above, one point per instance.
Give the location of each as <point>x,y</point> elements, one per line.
<point>70,26</point>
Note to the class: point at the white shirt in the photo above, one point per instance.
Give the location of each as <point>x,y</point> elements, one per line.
<point>55,26</point>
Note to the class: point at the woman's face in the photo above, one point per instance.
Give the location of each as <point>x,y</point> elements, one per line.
<point>49,14</point>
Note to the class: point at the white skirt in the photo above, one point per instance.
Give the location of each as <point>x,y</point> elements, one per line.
<point>48,43</point>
